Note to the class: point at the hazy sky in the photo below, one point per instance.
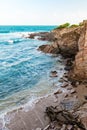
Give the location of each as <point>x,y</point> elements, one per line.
<point>42,12</point>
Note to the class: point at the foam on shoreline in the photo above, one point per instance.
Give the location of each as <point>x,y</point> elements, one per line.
<point>27,106</point>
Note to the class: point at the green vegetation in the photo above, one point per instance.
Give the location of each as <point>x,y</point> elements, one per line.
<point>74,25</point>
<point>66,25</point>
<point>81,24</point>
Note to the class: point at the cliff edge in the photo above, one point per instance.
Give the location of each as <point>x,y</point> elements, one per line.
<point>71,42</point>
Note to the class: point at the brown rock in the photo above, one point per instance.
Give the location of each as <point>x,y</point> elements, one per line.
<point>38,129</point>
<point>63,127</point>
<point>69,127</point>
<point>49,49</point>
<point>31,36</point>
<point>61,80</point>
<point>73,91</point>
<point>66,95</point>
<point>69,88</point>
<point>85,97</point>
<point>64,85</point>
<point>71,43</point>
<point>84,120</point>
<point>58,92</point>
<point>53,74</point>
<point>80,65</point>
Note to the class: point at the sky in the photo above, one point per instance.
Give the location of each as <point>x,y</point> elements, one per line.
<point>42,12</point>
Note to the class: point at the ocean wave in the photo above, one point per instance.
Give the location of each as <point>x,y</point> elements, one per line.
<point>15,41</point>
<point>6,64</point>
<point>4,31</point>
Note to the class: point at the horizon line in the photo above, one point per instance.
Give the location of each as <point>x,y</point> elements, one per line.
<point>27,25</point>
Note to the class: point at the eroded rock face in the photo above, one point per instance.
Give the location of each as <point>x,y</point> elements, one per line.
<point>80,66</point>
<point>44,36</point>
<point>71,42</point>
<point>49,49</point>
<point>65,42</point>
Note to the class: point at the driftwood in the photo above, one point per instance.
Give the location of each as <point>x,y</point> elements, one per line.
<point>64,117</point>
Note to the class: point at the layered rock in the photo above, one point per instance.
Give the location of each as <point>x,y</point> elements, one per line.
<point>45,36</point>
<point>71,42</point>
<point>80,65</point>
<point>65,42</point>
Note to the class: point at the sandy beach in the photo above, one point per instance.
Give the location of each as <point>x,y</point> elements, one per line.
<point>34,117</point>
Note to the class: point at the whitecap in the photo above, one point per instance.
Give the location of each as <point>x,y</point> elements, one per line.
<point>11,41</point>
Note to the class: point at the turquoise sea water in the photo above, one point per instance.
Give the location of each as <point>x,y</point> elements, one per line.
<point>24,71</point>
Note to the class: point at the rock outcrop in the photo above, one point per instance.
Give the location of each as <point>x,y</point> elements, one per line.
<point>44,36</point>
<point>65,42</point>
<point>71,42</point>
<point>80,65</point>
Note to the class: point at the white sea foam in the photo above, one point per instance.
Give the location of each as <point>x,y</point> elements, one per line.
<point>11,41</point>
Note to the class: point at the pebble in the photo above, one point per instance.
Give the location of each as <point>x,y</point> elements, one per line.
<point>55,100</point>
<point>73,91</point>
<point>77,83</point>
<point>69,127</point>
<point>63,127</point>
<point>58,92</point>
<point>65,79</point>
<point>66,95</point>
<point>38,129</point>
<point>85,97</point>
<point>46,127</point>
<point>64,85</point>
<point>75,96</point>
<point>69,88</point>
<point>61,80</point>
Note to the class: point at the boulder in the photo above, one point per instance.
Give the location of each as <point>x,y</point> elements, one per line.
<point>48,49</point>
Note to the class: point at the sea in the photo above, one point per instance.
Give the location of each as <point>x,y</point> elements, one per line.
<point>24,71</point>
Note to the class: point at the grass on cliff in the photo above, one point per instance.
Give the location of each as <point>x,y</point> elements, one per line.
<point>67,25</point>
<point>74,25</point>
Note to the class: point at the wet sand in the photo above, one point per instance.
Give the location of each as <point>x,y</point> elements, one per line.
<point>33,117</point>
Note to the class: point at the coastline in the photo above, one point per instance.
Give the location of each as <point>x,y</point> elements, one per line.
<point>70,96</point>
<point>6,119</point>
<point>33,117</point>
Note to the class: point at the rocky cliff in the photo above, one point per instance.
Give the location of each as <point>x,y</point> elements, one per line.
<point>80,65</point>
<point>65,41</point>
<point>71,42</point>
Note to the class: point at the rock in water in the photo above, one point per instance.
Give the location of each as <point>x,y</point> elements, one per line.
<point>53,74</point>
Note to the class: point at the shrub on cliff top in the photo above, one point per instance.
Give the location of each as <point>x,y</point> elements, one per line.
<point>81,24</point>
<point>74,25</point>
<point>63,26</point>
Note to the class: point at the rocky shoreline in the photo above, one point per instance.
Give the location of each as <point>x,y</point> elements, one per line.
<point>71,96</point>
<point>71,43</point>
<point>66,97</point>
